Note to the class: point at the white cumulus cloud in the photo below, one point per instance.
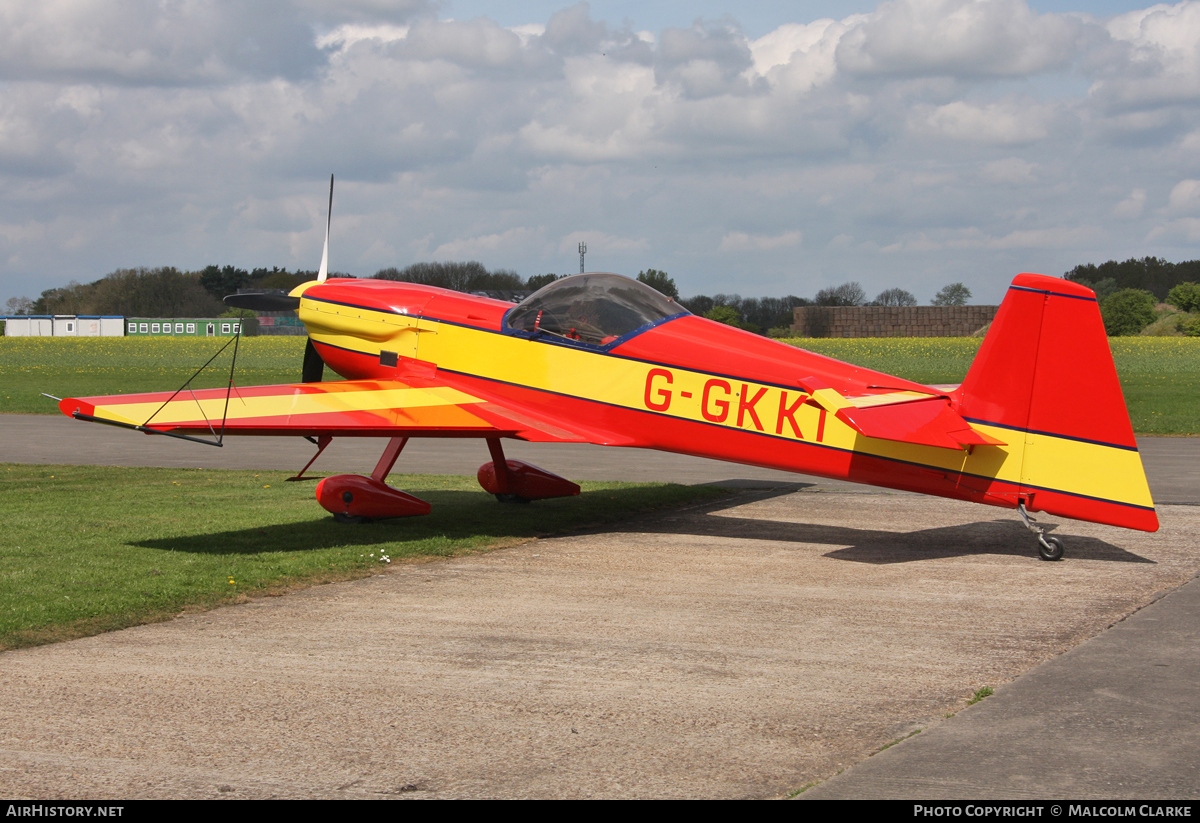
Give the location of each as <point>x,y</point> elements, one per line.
<point>959,38</point>
<point>1002,122</point>
<point>1132,206</point>
<point>1185,198</point>
<point>1152,57</point>
<point>741,241</point>
<point>979,137</point>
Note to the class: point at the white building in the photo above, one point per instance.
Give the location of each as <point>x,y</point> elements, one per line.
<point>64,325</point>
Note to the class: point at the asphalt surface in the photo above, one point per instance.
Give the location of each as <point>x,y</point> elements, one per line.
<point>750,648</point>
<point>1116,717</point>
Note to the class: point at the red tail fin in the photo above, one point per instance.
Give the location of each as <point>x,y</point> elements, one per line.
<point>1045,368</point>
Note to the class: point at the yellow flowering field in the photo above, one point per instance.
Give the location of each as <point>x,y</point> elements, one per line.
<point>1159,375</point>
<point>927,360</point>
<point>1161,380</point>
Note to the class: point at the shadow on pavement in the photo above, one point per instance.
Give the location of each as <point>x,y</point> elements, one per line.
<point>985,537</point>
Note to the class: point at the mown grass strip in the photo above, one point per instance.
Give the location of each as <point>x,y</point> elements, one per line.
<point>88,366</point>
<point>89,549</point>
<point>1160,375</point>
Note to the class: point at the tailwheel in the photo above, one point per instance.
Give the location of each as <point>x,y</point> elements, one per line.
<point>1050,548</point>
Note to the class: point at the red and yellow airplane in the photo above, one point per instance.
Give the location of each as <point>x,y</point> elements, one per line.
<point>1039,423</point>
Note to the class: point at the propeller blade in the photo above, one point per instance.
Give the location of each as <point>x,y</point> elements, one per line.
<point>314,366</point>
<point>262,302</point>
<point>324,272</point>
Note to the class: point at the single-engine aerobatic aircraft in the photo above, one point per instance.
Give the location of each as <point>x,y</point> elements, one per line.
<point>1039,423</point>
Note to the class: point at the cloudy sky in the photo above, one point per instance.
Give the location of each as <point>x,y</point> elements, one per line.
<point>778,149</point>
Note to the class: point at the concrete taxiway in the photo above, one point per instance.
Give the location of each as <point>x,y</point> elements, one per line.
<point>747,648</point>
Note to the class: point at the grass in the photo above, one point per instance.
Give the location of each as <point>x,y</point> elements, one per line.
<point>986,691</point>
<point>89,549</point>
<point>927,360</point>
<point>87,366</point>
<point>1167,324</point>
<point>1159,375</point>
<point>887,746</point>
<point>802,789</point>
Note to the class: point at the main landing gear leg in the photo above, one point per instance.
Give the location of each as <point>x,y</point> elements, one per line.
<point>504,479</point>
<point>352,498</point>
<point>1049,548</point>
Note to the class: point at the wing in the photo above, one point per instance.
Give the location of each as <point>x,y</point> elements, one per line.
<point>417,407</point>
<point>438,406</point>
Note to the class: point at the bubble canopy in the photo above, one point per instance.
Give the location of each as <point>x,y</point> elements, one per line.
<point>595,309</point>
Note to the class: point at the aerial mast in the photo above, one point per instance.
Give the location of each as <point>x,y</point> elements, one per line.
<point>582,252</point>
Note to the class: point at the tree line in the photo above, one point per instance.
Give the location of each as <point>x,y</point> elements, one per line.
<point>465,277</point>
<point>1129,291</point>
<point>169,292</point>
<point>773,315</point>
<point>1151,274</point>
<point>1135,311</point>
<point>157,292</point>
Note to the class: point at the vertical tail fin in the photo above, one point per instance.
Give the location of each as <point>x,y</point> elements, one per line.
<point>1045,369</point>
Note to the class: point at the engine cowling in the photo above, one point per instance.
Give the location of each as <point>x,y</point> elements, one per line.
<point>352,495</point>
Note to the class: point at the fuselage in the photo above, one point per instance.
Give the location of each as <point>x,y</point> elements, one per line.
<point>684,384</point>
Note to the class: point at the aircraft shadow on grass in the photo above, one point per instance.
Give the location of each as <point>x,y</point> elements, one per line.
<point>456,515</point>
<point>461,515</point>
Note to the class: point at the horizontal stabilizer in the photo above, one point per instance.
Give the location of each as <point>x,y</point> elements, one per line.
<point>928,422</point>
<point>904,417</point>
